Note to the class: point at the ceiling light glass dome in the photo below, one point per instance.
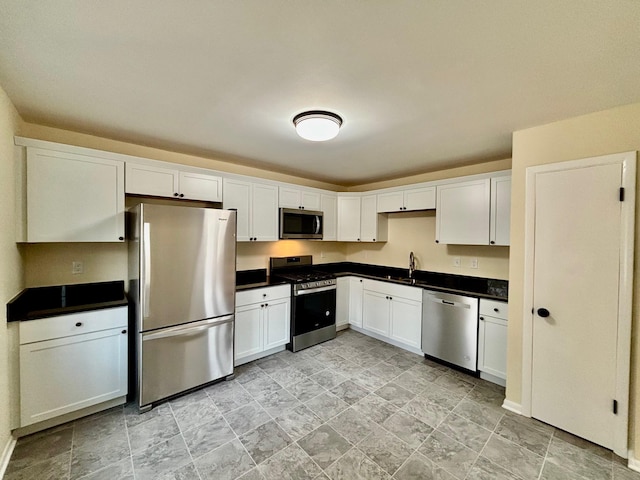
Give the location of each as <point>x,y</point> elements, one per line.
<point>317,125</point>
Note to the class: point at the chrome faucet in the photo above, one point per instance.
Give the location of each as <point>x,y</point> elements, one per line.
<point>412,264</point>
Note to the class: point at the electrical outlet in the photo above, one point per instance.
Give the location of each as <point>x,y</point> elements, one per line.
<point>77,267</point>
<point>456,261</point>
<point>473,263</point>
<point>322,255</point>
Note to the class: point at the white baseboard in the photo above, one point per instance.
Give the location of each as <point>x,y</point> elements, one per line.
<point>493,379</point>
<point>632,462</point>
<point>388,340</point>
<point>6,455</point>
<point>512,407</point>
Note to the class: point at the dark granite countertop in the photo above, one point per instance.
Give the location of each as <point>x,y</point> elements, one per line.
<point>490,288</point>
<point>42,302</point>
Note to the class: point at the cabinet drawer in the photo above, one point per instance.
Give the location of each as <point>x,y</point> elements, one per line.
<point>72,324</point>
<point>247,297</point>
<point>394,290</point>
<point>494,308</point>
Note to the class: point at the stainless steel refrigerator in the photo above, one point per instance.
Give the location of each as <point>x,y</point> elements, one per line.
<point>182,269</point>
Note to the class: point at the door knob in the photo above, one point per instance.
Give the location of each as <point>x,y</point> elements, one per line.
<point>543,312</point>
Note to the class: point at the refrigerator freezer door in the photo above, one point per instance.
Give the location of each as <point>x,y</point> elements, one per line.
<point>176,359</point>
<point>187,265</point>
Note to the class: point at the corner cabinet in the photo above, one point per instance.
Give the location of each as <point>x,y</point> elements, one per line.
<point>492,341</point>
<point>72,198</point>
<point>358,219</point>
<point>72,362</point>
<point>257,207</point>
<point>474,212</point>
<point>262,322</point>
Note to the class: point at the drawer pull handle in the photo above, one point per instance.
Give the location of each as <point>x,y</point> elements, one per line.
<point>78,324</point>
<point>124,331</point>
<point>496,309</point>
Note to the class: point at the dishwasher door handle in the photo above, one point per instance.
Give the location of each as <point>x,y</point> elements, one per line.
<point>442,301</point>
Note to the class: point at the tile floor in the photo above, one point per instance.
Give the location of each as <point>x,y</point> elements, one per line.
<point>353,408</point>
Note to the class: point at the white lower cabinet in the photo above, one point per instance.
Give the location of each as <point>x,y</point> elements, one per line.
<point>262,322</point>
<point>71,362</point>
<point>393,313</point>
<point>355,301</point>
<point>492,341</point>
<point>342,302</point>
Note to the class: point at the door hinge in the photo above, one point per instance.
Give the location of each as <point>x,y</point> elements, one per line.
<point>622,194</point>
<point>615,407</point>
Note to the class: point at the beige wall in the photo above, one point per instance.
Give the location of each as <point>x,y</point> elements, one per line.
<point>416,232</point>
<point>256,255</point>
<point>11,280</point>
<point>601,133</point>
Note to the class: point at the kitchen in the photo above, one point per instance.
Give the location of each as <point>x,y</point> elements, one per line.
<point>50,264</point>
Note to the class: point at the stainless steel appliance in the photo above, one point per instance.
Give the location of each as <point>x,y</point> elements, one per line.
<point>300,224</point>
<point>313,300</point>
<point>450,328</point>
<point>182,264</point>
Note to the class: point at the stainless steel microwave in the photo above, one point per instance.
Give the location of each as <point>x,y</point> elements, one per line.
<point>300,224</point>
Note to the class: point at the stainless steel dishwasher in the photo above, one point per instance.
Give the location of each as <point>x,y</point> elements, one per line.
<point>450,328</point>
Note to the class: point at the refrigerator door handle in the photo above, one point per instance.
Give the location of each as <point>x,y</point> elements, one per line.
<point>188,329</point>
<point>146,268</point>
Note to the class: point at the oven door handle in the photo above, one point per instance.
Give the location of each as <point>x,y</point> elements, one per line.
<point>314,290</point>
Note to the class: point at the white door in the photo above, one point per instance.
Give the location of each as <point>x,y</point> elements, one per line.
<point>151,180</point>
<point>237,195</point>
<point>342,301</point>
<point>276,323</point>
<point>356,289</point>
<point>200,186</point>
<point>406,321</point>
<point>500,210</point>
<point>577,337</point>
<point>329,207</point>
<point>463,212</point>
<point>368,219</point>
<point>248,334</point>
<point>264,212</point>
<point>375,312</point>
<point>348,219</point>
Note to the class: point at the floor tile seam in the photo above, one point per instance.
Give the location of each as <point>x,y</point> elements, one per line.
<point>478,457</point>
<point>520,446</point>
<point>598,460</point>
<point>451,412</point>
<point>184,440</point>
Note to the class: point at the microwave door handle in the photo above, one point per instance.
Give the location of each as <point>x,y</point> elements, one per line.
<point>317,221</point>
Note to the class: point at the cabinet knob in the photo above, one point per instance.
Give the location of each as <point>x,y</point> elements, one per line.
<point>437,241</point>
<point>264,295</point>
<point>78,324</point>
<point>390,298</point>
<point>124,331</point>
<point>543,312</point>
<point>496,309</point>
<point>120,238</point>
<point>481,318</point>
<point>358,239</point>
<point>175,194</point>
<point>262,306</point>
<point>492,242</point>
<point>266,304</point>
<point>181,195</point>
<point>374,239</point>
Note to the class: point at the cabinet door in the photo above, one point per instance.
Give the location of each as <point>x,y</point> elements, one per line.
<point>348,219</point>
<point>264,212</point>
<point>390,202</point>
<point>420,199</point>
<point>277,320</point>
<point>310,200</point>
<point>406,321</point>
<point>329,207</point>
<point>248,334</point>
<point>462,215</point>
<point>500,210</point>
<point>74,198</point>
<point>492,348</point>
<point>355,301</point>
<point>289,197</point>
<point>368,219</point>
<point>342,301</point>
<point>237,195</point>
<point>64,375</point>
<point>375,312</point>
<point>151,180</point>
<point>199,186</point>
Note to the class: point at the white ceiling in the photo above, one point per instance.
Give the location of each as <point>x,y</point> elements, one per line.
<point>420,84</point>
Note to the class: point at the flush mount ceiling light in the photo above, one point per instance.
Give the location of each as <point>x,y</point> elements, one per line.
<point>317,125</point>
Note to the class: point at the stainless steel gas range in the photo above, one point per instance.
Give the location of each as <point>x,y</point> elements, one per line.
<point>313,300</point>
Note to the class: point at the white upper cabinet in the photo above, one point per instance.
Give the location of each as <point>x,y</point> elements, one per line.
<point>73,198</point>
<point>463,212</point>
<point>358,220</point>
<point>291,197</point>
<point>348,219</point>
<point>160,181</point>
<point>257,209</point>
<point>329,209</point>
<point>500,210</point>
<point>407,200</point>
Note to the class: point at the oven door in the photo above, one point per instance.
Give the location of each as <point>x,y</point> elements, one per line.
<point>313,309</point>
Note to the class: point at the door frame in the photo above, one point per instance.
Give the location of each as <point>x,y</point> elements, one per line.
<point>625,295</point>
